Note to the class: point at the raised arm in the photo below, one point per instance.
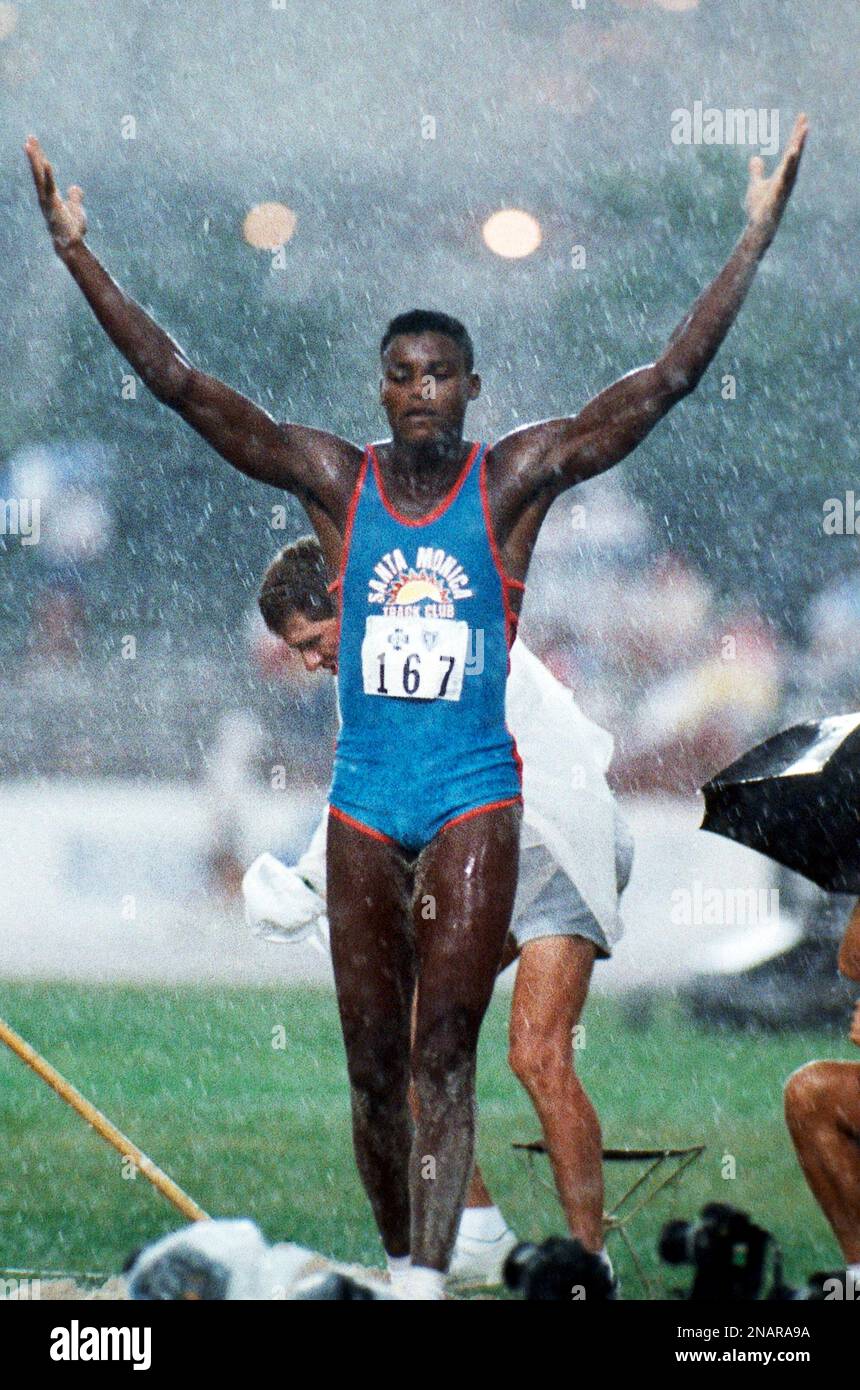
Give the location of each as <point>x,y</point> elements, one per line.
<point>555,454</point>
<point>301,460</point>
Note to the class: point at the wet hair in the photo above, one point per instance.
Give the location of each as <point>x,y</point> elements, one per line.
<point>431,321</point>
<point>296,581</point>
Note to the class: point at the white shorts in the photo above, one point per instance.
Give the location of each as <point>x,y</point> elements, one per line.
<point>556,907</point>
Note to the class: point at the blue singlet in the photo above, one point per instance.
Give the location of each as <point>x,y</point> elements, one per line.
<point>425,627</point>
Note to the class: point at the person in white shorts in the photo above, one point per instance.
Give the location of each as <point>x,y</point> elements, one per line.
<point>576,854</point>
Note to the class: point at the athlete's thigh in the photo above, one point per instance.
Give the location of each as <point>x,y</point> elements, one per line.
<point>553,976</point>
<point>465,884</point>
<point>369,889</point>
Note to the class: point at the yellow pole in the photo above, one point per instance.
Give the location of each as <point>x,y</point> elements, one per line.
<point>101,1124</point>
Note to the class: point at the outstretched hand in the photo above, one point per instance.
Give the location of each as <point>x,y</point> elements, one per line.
<point>766,198</point>
<point>67,221</point>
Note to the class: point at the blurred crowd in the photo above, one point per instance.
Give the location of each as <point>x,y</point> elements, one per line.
<point>684,677</point>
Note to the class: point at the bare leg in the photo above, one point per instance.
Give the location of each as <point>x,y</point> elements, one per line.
<point>478,1194</point>
<point>369,895</point>
<point>468,874</point>
<point>822,1111</point>
<point>549,995</point>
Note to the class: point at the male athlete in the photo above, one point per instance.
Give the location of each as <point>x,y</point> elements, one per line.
<point>429,537</point>
<point>822,1111</point>
<point>575,859</point>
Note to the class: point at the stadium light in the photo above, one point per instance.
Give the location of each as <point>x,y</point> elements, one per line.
<point>512,233</point>
<point>268,226</point>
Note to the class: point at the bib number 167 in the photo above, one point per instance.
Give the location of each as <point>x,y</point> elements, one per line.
<point>414,658</point>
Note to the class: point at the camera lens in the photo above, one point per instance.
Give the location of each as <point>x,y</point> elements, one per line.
<point>517,1263</point>
<point>676,1242</point>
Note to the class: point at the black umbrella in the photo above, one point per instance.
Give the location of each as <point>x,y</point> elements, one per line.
<point>796,798</point>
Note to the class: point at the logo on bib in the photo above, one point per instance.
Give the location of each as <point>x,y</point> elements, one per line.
<point>428,588</point>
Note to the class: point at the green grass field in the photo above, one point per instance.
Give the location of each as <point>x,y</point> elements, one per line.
<point>252,1129</point>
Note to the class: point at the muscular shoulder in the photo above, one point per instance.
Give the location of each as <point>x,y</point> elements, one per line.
<point>321,447</point>
<point>325,465</point>
<point>527,452</point>
<point>523,476</point>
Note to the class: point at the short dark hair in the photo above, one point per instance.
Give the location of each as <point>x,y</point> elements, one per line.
<point>296,581</point>
<point>431,321</point>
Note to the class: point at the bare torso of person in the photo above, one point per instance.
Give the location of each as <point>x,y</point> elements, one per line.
<point>516,521</point>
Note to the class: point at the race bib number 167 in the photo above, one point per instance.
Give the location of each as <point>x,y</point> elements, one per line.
<point>414,658</point>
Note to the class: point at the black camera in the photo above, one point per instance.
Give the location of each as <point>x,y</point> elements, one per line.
<point>727,1250</point>
<point>559,1271</point>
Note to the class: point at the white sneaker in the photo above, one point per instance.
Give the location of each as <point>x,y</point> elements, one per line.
<point>480,1262</point>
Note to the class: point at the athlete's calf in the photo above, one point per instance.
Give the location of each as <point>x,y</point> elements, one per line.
<point>469,873</point>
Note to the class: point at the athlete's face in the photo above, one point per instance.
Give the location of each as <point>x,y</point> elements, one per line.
<point>425,387</point>
<point>315,641</point>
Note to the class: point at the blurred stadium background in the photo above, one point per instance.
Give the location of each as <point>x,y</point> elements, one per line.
<point>691,599</point>
<point>152,738</point>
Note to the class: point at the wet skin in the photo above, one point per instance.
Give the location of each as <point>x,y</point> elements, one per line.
<point>822,1112</point>
<point>470,869</point>
<point>383,943</point>
<point>548,999</point>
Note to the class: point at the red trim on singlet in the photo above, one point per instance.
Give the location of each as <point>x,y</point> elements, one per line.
<point>511,618</point>
<point>347,540</point>
<point>440,506</point>
<point>479,810</point>
<point>350,518</point>
<point>359,825</point>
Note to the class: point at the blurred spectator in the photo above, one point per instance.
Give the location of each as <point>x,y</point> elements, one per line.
<point>643,646</point>
<point>703,716</point>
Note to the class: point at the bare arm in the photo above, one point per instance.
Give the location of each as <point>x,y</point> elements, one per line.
<point>555,454</point>
<point>849,951</point>
<point>302,460</point>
